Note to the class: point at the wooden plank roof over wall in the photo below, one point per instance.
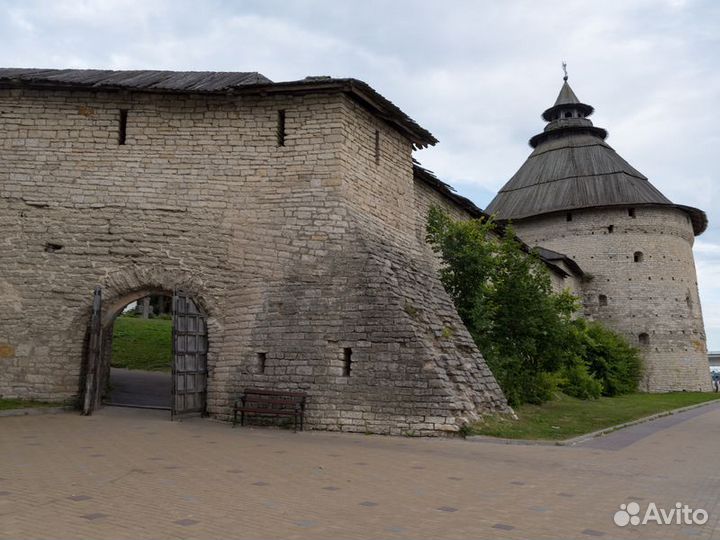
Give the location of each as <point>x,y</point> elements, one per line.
<point>212,82</point>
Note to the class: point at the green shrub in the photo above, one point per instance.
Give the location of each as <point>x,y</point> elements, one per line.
<point>610,359</point>
<point>576,381</point>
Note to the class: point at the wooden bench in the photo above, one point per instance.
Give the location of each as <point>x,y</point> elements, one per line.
<point>271,402</point>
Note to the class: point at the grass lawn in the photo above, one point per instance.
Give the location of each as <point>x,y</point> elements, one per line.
<point>142,344</point>
<point>7,404</point>
<point>568,417</point>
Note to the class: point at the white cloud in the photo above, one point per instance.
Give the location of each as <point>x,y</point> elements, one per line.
<point>706,247</point>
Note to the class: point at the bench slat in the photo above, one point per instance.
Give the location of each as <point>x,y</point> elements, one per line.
<point>258,392</point>
<point>278,412</point>
<point>272,401</point>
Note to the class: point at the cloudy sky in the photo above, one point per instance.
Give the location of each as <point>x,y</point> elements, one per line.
<point>476,74</point>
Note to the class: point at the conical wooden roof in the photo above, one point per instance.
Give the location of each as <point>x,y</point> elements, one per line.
<point>572,167</point>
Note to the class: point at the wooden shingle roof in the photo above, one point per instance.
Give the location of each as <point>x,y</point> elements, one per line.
<point>215,82</point>
<point>548,257</point>
<point>176,81</point>
<point>572,167</point>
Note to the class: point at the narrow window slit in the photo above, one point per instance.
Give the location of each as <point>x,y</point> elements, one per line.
<point>631,212</point>
<point>377,146</point>
<point>638,256</point>
<point>611,229</point>
<point>122,126</point>
<point>568,216</point>
<point>602,300</point>
<point>261,358</point>
<point>347,361</point>
<point>281,128</point>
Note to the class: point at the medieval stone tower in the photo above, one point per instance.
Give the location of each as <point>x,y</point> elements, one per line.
<point>577,196</point>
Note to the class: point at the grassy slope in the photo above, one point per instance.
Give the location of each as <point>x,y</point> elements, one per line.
<point>569,417</point>
<point>142,344</point>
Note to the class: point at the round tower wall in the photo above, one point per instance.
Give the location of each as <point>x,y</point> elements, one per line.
<point>643,283</point>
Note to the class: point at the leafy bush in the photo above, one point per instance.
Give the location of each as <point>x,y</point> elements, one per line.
<point>576,381</point>
<point>610,359</point>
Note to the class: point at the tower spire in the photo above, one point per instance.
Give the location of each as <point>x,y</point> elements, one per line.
<point>567,115</point>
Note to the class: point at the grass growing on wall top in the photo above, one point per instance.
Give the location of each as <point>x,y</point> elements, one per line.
<point>144,344</point>
<point>567,417</point>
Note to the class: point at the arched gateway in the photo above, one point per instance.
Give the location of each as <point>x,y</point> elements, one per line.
<point>189,355</point>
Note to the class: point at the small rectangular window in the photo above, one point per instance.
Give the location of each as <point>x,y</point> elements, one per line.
<point>377,146</point>
<point>122,126</point>
<point>261,357</point>
<point>281,128</point>
<point>568,216</point>
<point>631,212</point>
<point>347,361</point>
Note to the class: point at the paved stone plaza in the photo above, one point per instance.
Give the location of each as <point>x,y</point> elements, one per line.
<point>133,474</point>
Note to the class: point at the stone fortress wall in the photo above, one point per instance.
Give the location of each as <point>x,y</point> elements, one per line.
<point>305,253</point>
<point>643,283</point>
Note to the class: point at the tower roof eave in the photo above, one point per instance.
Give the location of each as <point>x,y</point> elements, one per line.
<point>549,114</point>
<point>698,217</point>
<point>567,130</point>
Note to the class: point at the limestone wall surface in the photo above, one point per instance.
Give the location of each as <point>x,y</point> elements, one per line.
<point>657,295</point>
<point>302,252</point>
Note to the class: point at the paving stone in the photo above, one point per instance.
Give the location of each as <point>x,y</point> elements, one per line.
<point>94,516</point>
<point>390,493</point>
<point>306,523</point>
<point>186,522</point>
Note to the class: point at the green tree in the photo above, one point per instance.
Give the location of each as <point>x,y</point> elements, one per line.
<point>505,298</point>
<point>525,330</point>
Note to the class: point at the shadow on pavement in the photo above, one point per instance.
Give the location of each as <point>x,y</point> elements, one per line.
<point>134,388</point>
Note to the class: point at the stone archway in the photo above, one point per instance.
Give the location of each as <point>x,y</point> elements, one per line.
<point>192,326</point>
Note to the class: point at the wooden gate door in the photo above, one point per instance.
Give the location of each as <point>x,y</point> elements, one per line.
<point>189,368</point>
<point>91,396</point>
